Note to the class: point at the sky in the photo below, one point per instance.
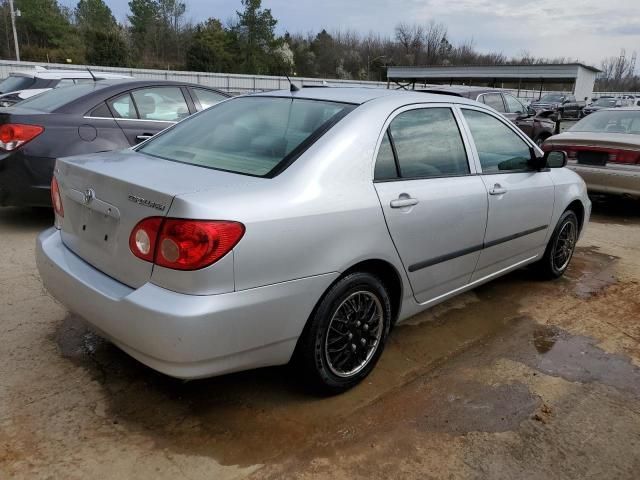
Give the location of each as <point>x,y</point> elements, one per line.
<point>588,30</point>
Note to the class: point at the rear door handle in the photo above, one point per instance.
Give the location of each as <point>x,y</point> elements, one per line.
<point>497,190</point>
<point>143,137</point>
<point>404,201</point>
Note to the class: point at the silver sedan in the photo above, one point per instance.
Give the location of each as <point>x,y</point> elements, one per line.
<point>302,226</point>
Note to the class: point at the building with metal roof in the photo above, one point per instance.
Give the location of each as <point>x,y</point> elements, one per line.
<point>581,78</point>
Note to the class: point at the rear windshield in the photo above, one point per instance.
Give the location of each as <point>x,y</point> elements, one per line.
<point>605,102</point>
<point>13,83</point>
<point>56,98</point>
<point>552,98</point>
<point>250,135</point>
<point>611,121</point>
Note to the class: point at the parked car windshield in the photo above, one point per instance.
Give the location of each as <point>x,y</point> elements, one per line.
<point>605,102</point>
<point>51,100</point>
<point>611,121</point>
<point>248,135</point>
<point>13,83</point>
<point>552,98</point>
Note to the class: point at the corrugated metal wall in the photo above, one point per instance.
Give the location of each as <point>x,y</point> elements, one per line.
<point>229,82</point>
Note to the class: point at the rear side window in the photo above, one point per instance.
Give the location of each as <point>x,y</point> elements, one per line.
<point>101,110</point>
<point>206,98</point>
<point>428,143</point>
<point>500,149</point>
<point>494,100</point>
<point>386,162</point>
<point>123,107</point>
<point>257,136</point>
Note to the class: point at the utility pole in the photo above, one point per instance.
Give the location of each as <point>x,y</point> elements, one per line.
<point>15,33</point>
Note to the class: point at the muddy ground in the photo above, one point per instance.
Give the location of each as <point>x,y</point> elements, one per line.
<point>516,379</point>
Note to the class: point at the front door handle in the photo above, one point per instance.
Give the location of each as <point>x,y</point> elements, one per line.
<point>404,200</point>
<point>497,190</point>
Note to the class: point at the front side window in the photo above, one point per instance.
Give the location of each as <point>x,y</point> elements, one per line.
<point>514,104</point>
<point>500,149</point>
<point>494,100</point>
<point>161,103</point>
<point>428,143</point>
<point>250,135</point>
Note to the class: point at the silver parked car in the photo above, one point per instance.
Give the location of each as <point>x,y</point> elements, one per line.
<point>302,225</point>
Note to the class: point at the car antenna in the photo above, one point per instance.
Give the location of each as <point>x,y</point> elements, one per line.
<point>92,75</point>
<point>292,87</point>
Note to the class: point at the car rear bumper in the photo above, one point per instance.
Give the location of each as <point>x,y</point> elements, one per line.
<point>184,336</point>
<point>617,179</point>
<point>25,180</point>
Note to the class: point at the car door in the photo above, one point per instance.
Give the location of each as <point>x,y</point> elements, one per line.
<point>143,112</point>
<point>520,199</point>
<point>434,205</point>
<point>517,113</point>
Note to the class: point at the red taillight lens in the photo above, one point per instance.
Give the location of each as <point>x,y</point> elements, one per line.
<point>184,244</point>
<point>143,238</point>
<point>56,198</point>
<point>14,135</point>
<point>624,156</point>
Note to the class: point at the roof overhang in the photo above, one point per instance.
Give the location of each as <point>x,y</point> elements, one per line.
<point>560,73</point>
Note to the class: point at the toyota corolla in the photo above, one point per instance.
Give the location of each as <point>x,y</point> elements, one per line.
<point>302,226</point>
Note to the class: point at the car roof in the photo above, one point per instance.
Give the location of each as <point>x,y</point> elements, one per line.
<point>460,90</point>
<point>360,95</point>
<point>60,74</point>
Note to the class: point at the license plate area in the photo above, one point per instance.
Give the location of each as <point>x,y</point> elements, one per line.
<point>590,157</point>
<point>96,228</point>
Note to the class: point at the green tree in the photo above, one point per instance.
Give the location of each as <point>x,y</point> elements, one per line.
<point>210,48</point>
<point>255,37</point>
<point>106,48</point>
<point>94,15</point>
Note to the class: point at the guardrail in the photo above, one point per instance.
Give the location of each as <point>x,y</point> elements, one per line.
<point>229,82</point>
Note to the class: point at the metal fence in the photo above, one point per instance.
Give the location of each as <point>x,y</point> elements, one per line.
<point>236,83</point>
<point>228,82</point>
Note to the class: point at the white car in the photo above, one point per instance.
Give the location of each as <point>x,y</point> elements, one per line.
<point>19,86</point>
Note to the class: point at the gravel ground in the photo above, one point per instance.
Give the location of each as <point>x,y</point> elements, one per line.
<point>516,379</point>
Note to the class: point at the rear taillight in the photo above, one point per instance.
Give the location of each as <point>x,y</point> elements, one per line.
<point>56,198</point>
<point>14,135</point>
<point>184,244</point>
<point>624,156</point>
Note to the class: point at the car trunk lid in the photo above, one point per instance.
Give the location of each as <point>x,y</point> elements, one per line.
<point>105,195</point>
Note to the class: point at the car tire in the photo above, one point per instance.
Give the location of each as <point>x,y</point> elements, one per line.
<point>560,248</point>
<point>353,317</point>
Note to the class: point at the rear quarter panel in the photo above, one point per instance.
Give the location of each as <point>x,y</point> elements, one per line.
<point>321,215</point>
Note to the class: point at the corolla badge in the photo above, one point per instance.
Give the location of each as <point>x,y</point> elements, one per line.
<point>146,203</point>
<point>89,195</point>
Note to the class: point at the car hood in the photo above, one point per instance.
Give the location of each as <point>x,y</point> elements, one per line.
<point>615,140</point>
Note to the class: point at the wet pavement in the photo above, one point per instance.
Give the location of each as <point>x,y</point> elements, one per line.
<point>517,379</point>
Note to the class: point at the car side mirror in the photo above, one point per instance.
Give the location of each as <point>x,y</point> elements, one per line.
<point>555,159</point>
<point>565,101</point>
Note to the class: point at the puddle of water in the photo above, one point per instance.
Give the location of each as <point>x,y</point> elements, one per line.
<point>591,271</point>
<point>252,417</point>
